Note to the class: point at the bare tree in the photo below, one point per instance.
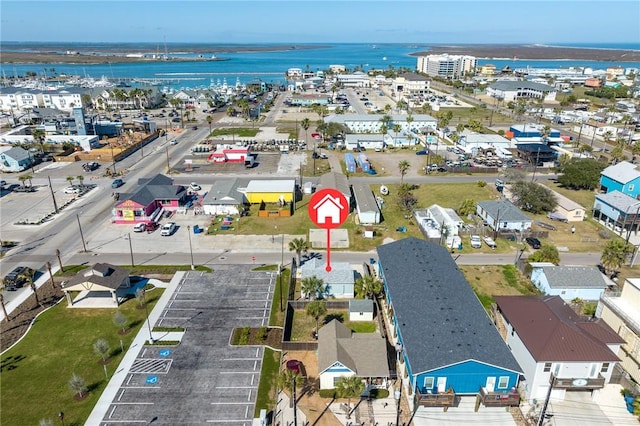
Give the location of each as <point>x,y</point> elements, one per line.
<point>78,385</point>
<point>120,320</point>
<point>101,348</point>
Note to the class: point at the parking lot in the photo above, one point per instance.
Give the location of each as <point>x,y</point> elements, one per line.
<point>204,379</point>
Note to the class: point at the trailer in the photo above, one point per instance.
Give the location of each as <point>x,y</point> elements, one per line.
<point>350,163</point>
<point>363,162</point>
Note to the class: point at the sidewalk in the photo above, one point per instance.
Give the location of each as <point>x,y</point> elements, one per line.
<point>26,292</point>
<point>110,391</point>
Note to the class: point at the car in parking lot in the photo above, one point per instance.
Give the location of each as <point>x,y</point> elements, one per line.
<point>117,183</point>
<point>168,229</point>
<point>17,277</point>
<point>476,242</point>
<point>23,188</point>
<point>533,242</point>
<point>73,189</point>
<point>90,166</point>
<point>194,186</point>
<point>140,227</point>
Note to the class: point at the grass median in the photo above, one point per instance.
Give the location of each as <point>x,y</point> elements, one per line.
<point>36,372</point>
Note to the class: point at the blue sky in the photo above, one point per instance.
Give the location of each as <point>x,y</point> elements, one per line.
<point>304,21</point>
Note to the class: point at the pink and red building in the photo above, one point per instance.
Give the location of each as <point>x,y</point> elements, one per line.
<point>153,197</point>
<point>229,154</point>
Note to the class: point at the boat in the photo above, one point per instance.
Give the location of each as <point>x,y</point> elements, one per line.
<point>384,190</point>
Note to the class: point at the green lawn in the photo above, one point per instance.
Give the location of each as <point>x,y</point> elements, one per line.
<point>35,373</point>
<point>496,280</point>
<point>70,270</point>
<point>446,195</point>
<point>304,325</point>
<point>242,132</point>
<point>265,398</point>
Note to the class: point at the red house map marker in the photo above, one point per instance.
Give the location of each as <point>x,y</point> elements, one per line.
<point>328,209</point>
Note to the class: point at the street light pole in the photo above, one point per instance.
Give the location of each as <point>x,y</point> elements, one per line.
<point>146,308</point>
<point>113,158</point>
<point>131,249</point>
<point>190,247</point>
<point>55,205</point>
<point>84,245</point>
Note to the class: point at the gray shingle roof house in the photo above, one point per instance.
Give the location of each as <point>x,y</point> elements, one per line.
<point>337,181</point>
<point>339,282</point>
<point>503,215</point>
<point>152,196</point>
<point>14,159</point>
<point>224,197</point>
<point>342,352</point>
<point>447,338</point>
<point>569,282</point>
<point>622,172</point>
<point>361,310</point>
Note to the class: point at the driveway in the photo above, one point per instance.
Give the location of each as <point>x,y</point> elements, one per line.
<point>579,409</point>
<point>463,414</point>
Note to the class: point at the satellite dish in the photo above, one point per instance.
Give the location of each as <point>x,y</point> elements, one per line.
<point>384,190</point>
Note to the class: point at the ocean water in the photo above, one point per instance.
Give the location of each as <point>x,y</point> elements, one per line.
<point>269,66</point>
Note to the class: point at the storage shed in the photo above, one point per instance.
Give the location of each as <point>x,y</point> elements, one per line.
<point>366,205</point>
<point>270,191</point>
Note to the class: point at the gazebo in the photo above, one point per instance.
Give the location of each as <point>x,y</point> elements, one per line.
<point>95,284</point>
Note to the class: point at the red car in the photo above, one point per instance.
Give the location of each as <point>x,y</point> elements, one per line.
<point>295,366</point>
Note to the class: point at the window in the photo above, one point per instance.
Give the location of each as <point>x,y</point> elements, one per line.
<point>605,367</point>
<point>592,372</point>
<point>428,382</point>
<point>556,370</point>
<point>503,382</point>
<point>547,367</point>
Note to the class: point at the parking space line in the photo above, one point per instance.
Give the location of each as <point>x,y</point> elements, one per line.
<point>249,397</point>
<point>121,394</point>
<point>130,377</point>
<point>235,387</point>
<point>112,411</point>
<point>231,403</point>
<point>241,359</point>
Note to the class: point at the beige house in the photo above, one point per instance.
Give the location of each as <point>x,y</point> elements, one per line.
<point>102,280</point>
<point>621,311</point>
<point>341,352</point>
<point>567,209</point>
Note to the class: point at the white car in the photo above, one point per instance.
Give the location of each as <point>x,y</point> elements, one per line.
<point>140,227</point>
<point>476,242</point>
<point>194,186</point>
<point>72,190</point>
<point>168,229</point>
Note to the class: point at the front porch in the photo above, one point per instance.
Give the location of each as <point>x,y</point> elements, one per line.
<point>445,399</point>
<point>497,399</point>
<point>578,383</point>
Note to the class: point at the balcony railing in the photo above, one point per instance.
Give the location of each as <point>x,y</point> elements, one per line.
<point>499,399</point>
<point>443,399</point>
<point>609,301</point>
<point>579,383</point>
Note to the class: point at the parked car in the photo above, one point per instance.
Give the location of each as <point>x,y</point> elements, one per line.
<point>194,186</point>
<point>490,242</point>
<point>140,227</point>
<point>72,190</point>
<point>168,229</point>
<point>476,242</point>
<point>152,226</point>
<point>423,152</point>
<point>16,278</point>
<point>533,242</point>
<point>23,188</point>
<point>117,183</point>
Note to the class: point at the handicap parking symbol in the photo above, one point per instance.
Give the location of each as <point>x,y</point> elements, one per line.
<point>164,352</point>
<point>152,380</point>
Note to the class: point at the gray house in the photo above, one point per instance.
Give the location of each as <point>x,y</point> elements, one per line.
<point>342,352</point>
<point>225,197</point>
<point>339,282</point>
<point>503,215</point>
<point>569,282</point>
<point>366,205</point>
<point>15,160</point>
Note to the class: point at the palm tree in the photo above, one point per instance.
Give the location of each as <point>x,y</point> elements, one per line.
<point>370,285</point>
<point>312,287</point>
<point>209,121</point>
<point>48,266</point>
<point>403,168</point>
<point>396,130</point>
<point>23,178</point>
<point>614,255</point>
<point>27,275</point>
<point>38,137</point>
<point>70,180</point>
<point>81,180</point>
<point>305,123</point>
<point>4,308</point>
<point>316,309</point>
<point>298,245</point>
<point>286,379</point>
<point>349,387</point>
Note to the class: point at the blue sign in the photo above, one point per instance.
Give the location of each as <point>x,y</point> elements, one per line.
<point>152,380</point>
<point>164,352</point>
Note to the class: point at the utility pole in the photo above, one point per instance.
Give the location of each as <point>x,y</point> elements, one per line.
<point>533,177</point>
<point>167,151</point>
<point>130,249</point>
<point>53,196</point>
<point>84,245</point>
<point>546,401</point>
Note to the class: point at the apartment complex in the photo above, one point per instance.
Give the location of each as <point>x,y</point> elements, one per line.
<point>446,66</point>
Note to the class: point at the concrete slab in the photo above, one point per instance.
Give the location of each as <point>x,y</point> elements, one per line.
<point>463,414</point>
<point>580,409</point>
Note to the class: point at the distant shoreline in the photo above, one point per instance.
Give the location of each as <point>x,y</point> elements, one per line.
<point>535,52</point>
<point>117,54</point>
